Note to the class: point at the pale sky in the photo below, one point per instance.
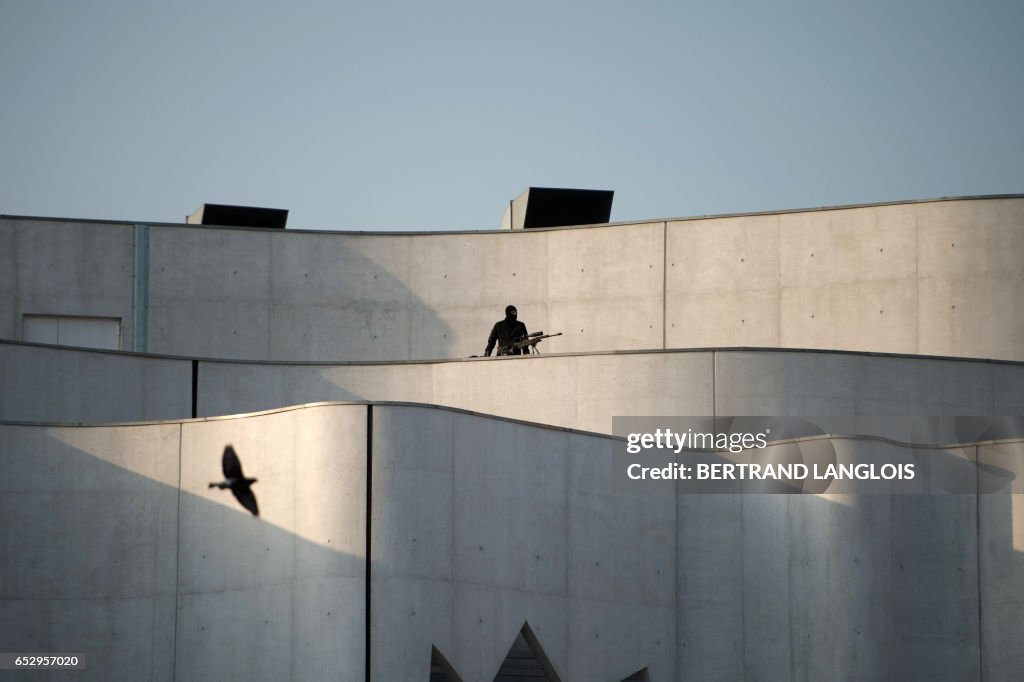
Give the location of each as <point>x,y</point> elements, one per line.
<point>431,116</point>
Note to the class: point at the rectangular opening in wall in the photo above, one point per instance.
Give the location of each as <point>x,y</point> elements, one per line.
<point>86,332</point>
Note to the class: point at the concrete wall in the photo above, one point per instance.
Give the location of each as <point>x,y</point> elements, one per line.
<point>584,391</point>
<point>481,525</point>
<point>41,383</point>
<point>88,546</point>
<point>114,547</point>
<point>66,268</point>
<point>939,277</point>
<point>912,278</point>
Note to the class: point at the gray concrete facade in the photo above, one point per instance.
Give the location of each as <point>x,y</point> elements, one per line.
<point>468,527</point>
<point>580,391</point>
<point>414,500</point>
<point>919,277</point>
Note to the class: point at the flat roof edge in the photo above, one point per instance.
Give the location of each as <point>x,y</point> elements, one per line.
<point>494,417</point>
<point>413,232</point>
<point>519,358</point>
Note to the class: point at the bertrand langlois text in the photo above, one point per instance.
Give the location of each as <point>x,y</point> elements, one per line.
<point>665,440</point>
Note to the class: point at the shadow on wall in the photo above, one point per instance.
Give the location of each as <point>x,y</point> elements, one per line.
<point>103,555</point>
<point>147,583</point>
<point>902,586</point>
<point>254,295</point>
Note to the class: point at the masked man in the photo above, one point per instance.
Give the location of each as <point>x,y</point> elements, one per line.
<point>505,333</point>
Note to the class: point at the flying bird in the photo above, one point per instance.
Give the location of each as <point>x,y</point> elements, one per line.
<point>234,479</point>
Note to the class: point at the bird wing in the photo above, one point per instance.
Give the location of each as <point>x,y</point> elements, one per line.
<point>231,465</point>
<point>247,498</point>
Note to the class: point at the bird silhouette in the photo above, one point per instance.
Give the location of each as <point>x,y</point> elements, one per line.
<point>236,481</point>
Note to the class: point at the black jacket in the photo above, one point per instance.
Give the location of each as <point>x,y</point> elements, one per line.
<point>504,333</point>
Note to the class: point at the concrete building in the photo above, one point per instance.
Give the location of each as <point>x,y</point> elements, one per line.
<point>429,515</point>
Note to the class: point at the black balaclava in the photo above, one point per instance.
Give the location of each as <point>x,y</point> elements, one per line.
<point>510,313</point>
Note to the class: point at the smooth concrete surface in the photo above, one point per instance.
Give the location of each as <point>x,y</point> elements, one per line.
<point>88,547</point>
<point>934,277</point>
<point>831,586</point>
<point>906,278</point>
<point>41,383</point>
<point>449,529</point>
<point>45,383</point>
<point>280,596</point>
<point>114,547</point>
<point>65,268</point>
<point>1001,537</point>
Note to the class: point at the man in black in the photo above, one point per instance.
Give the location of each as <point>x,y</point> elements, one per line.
<point>505,333</point>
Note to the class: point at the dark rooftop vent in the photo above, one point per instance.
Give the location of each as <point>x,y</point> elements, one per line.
<point>555,207</point>
<point>238,216</point>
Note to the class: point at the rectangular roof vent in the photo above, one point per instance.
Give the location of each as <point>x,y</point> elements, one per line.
<point>238,216</point>
<point>558,207</point>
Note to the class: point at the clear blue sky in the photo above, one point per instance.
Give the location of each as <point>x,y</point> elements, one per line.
<point>418,115</point>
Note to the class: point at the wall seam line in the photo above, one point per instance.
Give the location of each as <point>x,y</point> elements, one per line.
<point>18,307</point>
<point>677,672</point>
<point>778,281</point>
<point>664,285</point>
<point>177,564</point>
<point>140,288</point>
<point>270,296</point>
<point>977,547</point>
<point>917,281</point>
<point>451,536</point>
<point>369,525</point>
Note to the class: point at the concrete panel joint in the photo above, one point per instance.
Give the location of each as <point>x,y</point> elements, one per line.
<point>140,293</point>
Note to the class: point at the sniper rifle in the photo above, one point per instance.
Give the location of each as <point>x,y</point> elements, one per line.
<point>527,345</point>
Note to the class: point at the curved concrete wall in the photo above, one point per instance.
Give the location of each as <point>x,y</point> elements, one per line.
<point>114,546</point>
<point>54,384</point>
<point>583,391</point>
<point>938,277</point>
<point>425,526</point>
